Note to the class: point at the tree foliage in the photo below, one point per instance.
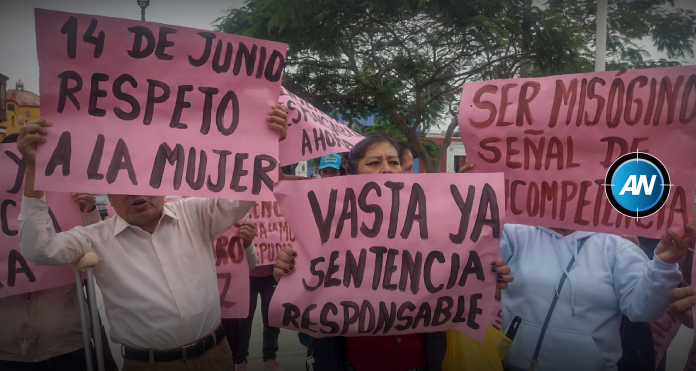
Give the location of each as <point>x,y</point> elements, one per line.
<point>405,61</point>
<point>430,146</point>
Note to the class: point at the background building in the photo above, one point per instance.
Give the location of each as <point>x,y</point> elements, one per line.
<point>3,111</point>
<point>456,154</point>
<point>18,106</point>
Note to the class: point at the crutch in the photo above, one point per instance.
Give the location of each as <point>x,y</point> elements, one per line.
<point>87,264</point>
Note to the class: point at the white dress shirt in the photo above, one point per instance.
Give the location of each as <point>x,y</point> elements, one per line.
<point>160,290</point>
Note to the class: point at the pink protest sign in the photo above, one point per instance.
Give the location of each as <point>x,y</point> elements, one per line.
<point>663,331</point>
<point>556,137</point>
<point>692,277</point>
<point>17,275</point>
<point>233,274</point>
<point>391,254</point>
<point>146,108</point>
<point>312,133</point>
<point>691,361</point>
<point>272,232</point>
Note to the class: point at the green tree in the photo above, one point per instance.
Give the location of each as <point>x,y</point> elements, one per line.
<point>405,61</point>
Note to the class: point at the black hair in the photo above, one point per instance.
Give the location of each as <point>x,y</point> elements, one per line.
<point>405,148</point>
<point>12,138</point>
<point>342,171</point>
<point>359,151</point>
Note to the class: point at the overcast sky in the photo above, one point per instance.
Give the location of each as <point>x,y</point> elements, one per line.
<point>17,35</point>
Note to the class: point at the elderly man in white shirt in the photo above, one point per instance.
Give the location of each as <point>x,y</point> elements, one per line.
<point>156,267</point>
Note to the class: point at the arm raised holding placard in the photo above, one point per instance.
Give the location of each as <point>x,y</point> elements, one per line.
<point>247,231</point>
<point>577,285</point>
<point>57,249</point>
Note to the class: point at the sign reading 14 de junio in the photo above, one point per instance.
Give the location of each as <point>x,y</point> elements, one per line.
<point>637,185</point>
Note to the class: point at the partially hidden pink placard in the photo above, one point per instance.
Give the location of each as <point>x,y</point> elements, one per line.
<point>692,283</point>
<point>311,132</point>
<point>664,329</point>
<point>272,232</point>
<point>556,137</point>
<point>391,254</point>
<point>146,108</point>
<point>232,271</point>
<point>17,275</point>
<point>233,274</point>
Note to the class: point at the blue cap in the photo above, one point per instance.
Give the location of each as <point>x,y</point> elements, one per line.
<point>333,160</point>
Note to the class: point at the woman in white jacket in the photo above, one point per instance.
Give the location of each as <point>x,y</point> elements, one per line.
<point>606,276</point>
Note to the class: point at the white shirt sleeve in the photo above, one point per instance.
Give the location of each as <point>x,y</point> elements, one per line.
<point>251,256</point>
<point>217,215</point>
<point>39,241</point>
<point>92,217</point>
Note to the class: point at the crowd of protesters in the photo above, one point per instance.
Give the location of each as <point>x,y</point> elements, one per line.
<point>157,275</point>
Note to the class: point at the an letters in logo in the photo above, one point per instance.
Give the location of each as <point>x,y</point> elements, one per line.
<point>637,185</point>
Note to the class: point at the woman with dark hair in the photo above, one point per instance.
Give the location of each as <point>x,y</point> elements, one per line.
<point>377,154</point>
<point>406,158</point>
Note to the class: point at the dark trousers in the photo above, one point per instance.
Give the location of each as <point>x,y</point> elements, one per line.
<point>265,286</point>
<point>231,326</point>
<point>73,361</point>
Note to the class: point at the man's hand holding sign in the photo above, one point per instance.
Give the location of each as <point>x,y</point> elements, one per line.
<point>247,232</point>
<point>87,201</point>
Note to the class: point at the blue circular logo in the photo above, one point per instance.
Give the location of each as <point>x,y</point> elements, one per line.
<point>637,185</point>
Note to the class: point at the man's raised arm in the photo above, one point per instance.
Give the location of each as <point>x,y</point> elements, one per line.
<point>37,238</point>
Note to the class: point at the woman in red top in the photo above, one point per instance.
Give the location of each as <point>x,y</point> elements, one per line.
<point>379,154</point>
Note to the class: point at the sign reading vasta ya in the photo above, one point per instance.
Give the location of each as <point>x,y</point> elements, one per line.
<point>556,137</point>
<point>312,133</point>
<point>17,275</point>
<point>146,108</point>
<point>391,254</point>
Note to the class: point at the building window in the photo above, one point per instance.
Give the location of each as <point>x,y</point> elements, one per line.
<point>11,107</point>
<point>459,161</point>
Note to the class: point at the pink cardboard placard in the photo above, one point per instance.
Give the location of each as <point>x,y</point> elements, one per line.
<point>272,232</point>
<point>233,274</point>
<point>146,108</point>
<point>311,132</point>
<point>391,254</point>
<point>17,275</point>
<point>555,138</point>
